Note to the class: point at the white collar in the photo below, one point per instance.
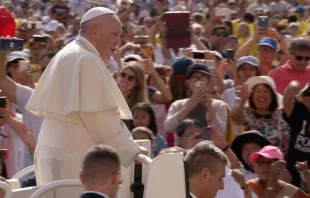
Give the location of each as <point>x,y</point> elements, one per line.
<point>193,196</point>
<point>87,44</point>
<point>98,193</point>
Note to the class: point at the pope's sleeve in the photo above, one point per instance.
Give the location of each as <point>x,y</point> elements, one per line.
<point>100,112</point>
<point>106,128</point>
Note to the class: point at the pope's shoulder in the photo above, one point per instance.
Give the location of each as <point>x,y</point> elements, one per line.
<point>74,51</point>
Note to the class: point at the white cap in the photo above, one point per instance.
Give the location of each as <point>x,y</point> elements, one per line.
<point>95,12</point>
<point>51,26</point>
<point>255,80</point>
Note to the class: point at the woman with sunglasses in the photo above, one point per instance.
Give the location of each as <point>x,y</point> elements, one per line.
<point>258,108</point>
<point>297,114</point>
<point>132,84</point>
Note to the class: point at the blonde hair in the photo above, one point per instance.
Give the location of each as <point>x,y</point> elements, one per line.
<point>139,93</point>
<point>244,24</point>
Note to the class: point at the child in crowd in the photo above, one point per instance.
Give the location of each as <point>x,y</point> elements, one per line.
<point>144,116</point>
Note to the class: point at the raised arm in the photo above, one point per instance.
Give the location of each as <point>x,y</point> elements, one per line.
<point>7,85</point>
<point>289,97</point>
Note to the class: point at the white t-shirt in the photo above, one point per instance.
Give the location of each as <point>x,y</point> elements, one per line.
<point>252,8</point>
<point>231,188</point>
<point>229,96</point>
<point>280,7</point>
<point>15,146</point>
<point>23,95</point>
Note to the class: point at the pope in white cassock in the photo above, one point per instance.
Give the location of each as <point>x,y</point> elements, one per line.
<point>80,102</point>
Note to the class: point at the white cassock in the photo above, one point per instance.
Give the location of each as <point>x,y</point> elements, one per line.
<point>81,107</point>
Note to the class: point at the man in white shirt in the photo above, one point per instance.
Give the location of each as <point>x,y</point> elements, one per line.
<point>80,102</point>
<point>279,7</point>
<point>206,169</point>
<point>259,4</point>
<point>100,172</point>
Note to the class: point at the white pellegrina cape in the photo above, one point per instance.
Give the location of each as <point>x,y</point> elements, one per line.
<point>81,106</point>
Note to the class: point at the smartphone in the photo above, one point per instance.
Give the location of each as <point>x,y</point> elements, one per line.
<point>263,22</point>
<point>211,65</point>
<point>198,55</point>
<point>34,25</point>
<point>205,133</point>
<point>230,54</point>
<point>9,44</point>
<point>160,70</point>
<point>141,39</point>
<point>3,153</point>
<point>39,38</point>
<point>2,102</point>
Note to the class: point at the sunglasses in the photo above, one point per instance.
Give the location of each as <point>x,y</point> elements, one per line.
<point>300,58</point>
<point>129,77</point>
<point>222,34</point>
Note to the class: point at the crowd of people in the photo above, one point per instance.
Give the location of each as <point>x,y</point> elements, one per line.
<point>252,105</point>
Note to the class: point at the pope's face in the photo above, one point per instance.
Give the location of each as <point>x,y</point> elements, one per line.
<point>109,36</point>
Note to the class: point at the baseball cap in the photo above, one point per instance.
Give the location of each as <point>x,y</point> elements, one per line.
<point>268,42</point>
<point>180,66</point>
<point>247,59</point>
<point>300,9</point>
<point>17,55</point>
<point>270,152</point>
<point>198,67</point>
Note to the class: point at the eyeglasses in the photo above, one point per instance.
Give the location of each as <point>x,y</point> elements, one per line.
<point>264,163</point>
<point>300,58</point>
<point>129,77</point>
<point>222,34</point>
<point>198,78</point>
<point>266,49</point>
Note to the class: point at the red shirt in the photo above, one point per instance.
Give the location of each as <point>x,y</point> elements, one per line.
<point>284,74</point>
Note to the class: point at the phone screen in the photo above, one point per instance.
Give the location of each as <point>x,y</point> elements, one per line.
<point>3,153</point>
<point>3,101</point>
<point>230,53</point>
<point>205,133</point>
<point>263,22</point>
<point>198,55</point>
<point>39,38</point>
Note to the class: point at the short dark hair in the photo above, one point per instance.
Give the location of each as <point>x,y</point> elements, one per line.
<point>274,102</point>
<point>204,156</point>
<point>249,17</point>
<point>217,27</point>
<point>100,162</point>
<point>186,123</point>
<point>300,44</point>
<point>147,107</point>
<point>292,18</point>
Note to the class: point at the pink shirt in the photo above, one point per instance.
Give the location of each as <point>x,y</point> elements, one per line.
<point>284,74</point>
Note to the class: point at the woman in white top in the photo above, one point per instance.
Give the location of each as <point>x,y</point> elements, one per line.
<point>199,105</point>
